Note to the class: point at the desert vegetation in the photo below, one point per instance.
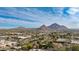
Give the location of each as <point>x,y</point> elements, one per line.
<point>38,41</point>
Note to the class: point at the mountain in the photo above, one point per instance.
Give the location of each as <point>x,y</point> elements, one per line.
<point>53,27</point>
<point>56,26</point>
<point>20,28</point>
<point>43,28</point>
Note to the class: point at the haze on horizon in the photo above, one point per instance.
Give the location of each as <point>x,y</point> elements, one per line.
<point>33,17</point>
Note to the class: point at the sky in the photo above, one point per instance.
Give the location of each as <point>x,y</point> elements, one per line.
<point>33,17</point>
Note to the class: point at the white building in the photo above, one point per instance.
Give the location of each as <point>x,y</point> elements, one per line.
<point>4,43</point>
<point>24,37</point>
<point>62,40</point>
<point>75,40</point>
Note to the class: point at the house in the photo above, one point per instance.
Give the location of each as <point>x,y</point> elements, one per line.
<point>75,40</point>
<point>3,37</point>
<point>63,40</point>
<point>4,43</point>
<point>24,37</point>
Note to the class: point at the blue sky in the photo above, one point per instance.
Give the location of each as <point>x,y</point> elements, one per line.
<point>11,17</point>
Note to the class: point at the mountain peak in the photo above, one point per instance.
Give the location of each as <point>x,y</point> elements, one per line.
<point>43,26</point>
<point>57,26</point>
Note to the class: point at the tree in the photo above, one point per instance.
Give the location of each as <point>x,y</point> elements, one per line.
<point>75,48</point>
<point>54,36</point>
<point>27,46</point>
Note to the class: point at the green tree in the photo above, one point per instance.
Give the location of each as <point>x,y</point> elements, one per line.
<point>75,48</point>
<point>27,46</point>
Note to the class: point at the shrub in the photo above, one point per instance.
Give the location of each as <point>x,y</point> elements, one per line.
<point>75,48</point>
<point>27,46</point>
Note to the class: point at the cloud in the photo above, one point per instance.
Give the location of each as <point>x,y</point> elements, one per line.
<point>73,11</point>
<point>15,23</point>
<point>34,17</point>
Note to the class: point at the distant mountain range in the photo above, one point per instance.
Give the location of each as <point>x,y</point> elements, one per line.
<point>44,28</point>
<point>54,26</point>
<point>57,26</point>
